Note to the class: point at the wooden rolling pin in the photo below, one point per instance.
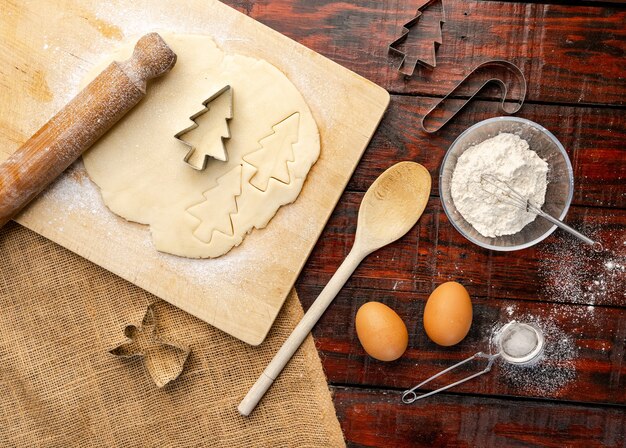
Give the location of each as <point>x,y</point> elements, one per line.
<point>80,123</point>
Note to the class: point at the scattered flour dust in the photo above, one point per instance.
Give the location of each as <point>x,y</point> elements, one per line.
<point>547,375</point>
<point>508,158</point>
<point>73,198</point>
<point>573,273</point>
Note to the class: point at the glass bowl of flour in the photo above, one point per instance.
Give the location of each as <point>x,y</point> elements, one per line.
<point>520,154</point>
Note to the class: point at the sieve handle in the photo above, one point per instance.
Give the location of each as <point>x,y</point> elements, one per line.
<point>409,396</point>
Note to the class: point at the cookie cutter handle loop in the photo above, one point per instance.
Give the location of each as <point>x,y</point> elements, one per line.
<point>410,396</point>
<point>492,65</point>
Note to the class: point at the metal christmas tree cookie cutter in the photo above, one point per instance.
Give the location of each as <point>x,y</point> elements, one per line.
<point>489,67</point>
<point>206,103</point>
<point>406,29</point>
<point>508,351</point>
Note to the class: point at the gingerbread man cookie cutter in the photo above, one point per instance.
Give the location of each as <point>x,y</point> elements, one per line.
<point>164,360</point>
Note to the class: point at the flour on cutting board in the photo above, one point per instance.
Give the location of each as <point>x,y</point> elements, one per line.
<point>75,196</point>
<point>74,193</point>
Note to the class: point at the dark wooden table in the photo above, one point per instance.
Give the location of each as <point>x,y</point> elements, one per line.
<point>574,57</point>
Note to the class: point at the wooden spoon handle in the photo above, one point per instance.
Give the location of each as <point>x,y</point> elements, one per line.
<point>80,123</point>
<point>299,334</point>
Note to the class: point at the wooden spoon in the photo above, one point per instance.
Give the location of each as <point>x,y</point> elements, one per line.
<point>390,208</point>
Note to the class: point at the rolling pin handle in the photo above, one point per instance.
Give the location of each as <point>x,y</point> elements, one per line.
<point>152,57</point>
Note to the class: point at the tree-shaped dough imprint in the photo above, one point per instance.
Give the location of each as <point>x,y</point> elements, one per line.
<point>205,137</point>
<point>204,213</point>
<point>219,204</point>
<point>270,160</point>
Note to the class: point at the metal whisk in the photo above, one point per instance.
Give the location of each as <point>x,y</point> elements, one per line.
<point>518,200</point>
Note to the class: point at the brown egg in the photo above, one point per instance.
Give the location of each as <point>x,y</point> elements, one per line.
<point>381,331</point>
<point>448,314</point>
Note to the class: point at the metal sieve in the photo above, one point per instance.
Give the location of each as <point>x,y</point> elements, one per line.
<point>518,343</point>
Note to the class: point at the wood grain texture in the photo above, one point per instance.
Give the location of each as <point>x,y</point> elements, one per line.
<point>59,142</point>
<point>592,136</point>
<point>474,422</point>
<point>434,252</point>
<point>242,292</point>
<point>594,372</point>
<point>569,54</point>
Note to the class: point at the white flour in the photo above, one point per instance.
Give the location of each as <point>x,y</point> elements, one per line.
<point>572,273</point>
<point>510,160</point>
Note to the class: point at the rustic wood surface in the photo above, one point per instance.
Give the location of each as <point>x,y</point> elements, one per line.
<point>574,59</point>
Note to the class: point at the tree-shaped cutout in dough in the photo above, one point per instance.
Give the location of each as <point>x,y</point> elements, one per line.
<point>205,137</point>
<point>270,160</point>
<point>219,204</point>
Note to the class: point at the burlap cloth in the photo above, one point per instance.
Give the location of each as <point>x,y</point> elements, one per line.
<point>59,314</point>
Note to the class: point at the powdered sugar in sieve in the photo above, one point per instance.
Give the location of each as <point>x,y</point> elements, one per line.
<point>520,343</point>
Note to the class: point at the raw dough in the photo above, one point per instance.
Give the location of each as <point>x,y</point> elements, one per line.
<point>139,165</point>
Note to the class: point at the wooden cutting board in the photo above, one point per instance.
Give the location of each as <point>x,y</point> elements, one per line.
<point>45,49</point>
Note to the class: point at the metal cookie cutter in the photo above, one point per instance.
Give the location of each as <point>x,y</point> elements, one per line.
<point>406,29</point>
<point>164,360</point>
<point>227,90</point>
<point>518,343</point>
<point>438,113</point>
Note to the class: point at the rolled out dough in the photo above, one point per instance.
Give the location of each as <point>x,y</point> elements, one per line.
<point>139,165</point>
